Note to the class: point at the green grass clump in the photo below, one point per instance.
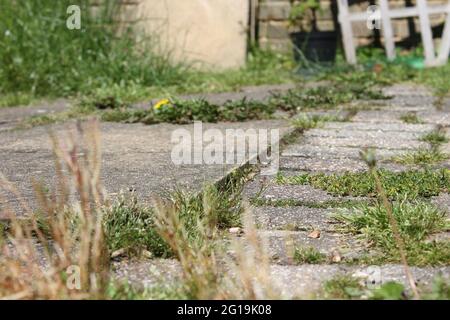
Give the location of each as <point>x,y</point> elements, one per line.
<point>435,137</point>
<point>308,255</point>
<point>324,97</point>
<point>305,122</point>
<point>416,220</point>
<point>422,157</point>
<point>411,118</point>
<point>342,287</point>
<point>130,226</point>
<point>414,183</point>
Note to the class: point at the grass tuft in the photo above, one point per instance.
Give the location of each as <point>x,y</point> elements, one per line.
<point>414,183</point>
<point>411,118</point>
<point>416,221</point>
<point>422,157</point>
<point>308,255</point>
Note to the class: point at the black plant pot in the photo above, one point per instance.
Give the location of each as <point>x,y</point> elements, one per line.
<point>316,46</point>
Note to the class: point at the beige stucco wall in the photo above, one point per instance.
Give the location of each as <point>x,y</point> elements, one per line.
<point>207,33</point>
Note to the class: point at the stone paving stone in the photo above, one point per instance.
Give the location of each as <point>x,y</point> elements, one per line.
<point>305,281</point>
<point>11,117</point>
<point>383,127</point>
<point>135,156</point>
<point>297,218</point>
<point>292,281</point>
<point>281,244</point>
<point>345,133</point>
<point>408,90</point>
<point>387,142</point>
<point>330,151</point>
<point>336,165</point>
<point>148,273</point>
<point>379,116</point>
<point>412,103</point>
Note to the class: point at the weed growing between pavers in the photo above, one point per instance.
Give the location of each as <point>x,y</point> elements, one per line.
<point>435,137</point>
<point>414,183</point>
<point>422,157</point>
<point>308,255</point>
<point>283,203</point>
<point>416,220</point>
<point>349,287</point>
<point>130,226</point>
<point>125,291</point>
<point>342,287</point>
<point>186,111</point>
<point>324,97</point>
<point>305,121</point>
<point>411,118</point>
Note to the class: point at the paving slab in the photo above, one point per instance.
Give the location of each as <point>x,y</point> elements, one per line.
<point>330,151</point>
<point>297,218</point>
<point>443,202</point>
<point>383,127</point>
<point>379,116</point>
<point>135,156</point>
<point>10,117</point>
<point>363,134</point>
<point>291,281</point>
<point>436,117</point>
<point>306,281</point>
<point>281,244</point>
<point>407,89</point>
<point>336,165</point>
<point>268,190</point>
<point>384,142</point>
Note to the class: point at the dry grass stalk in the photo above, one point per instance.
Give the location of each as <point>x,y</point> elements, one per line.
<point>38,258</point>
<point>250,271</point>
<point>369,158</point>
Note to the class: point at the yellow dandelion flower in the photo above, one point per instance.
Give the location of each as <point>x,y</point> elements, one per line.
<point>161,103</point>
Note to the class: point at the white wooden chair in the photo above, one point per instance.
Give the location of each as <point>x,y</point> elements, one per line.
<point>421,10</point>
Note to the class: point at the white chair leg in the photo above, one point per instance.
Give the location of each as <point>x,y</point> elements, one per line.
<point>427,35</point>
<point>444,50</point>
<point>387,30</point>
<point>347,32</point>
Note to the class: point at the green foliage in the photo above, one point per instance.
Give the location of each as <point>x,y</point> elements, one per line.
<point>422,157</point>
<point>435,137</point>
<point>325,97</point>
<point>416,220</point>
<point>411,118</point>
<point>130,226</point>
<point>342,287</point>
<point>414,183</point>
<point>440,289</point>
<point>389,291</point>
<point>40,56</point>
<point>308,255</point>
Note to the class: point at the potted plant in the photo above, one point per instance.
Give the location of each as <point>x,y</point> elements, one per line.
<point>310,43</point>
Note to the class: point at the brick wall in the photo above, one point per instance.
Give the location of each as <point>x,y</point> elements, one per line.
<point>274,27</point>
